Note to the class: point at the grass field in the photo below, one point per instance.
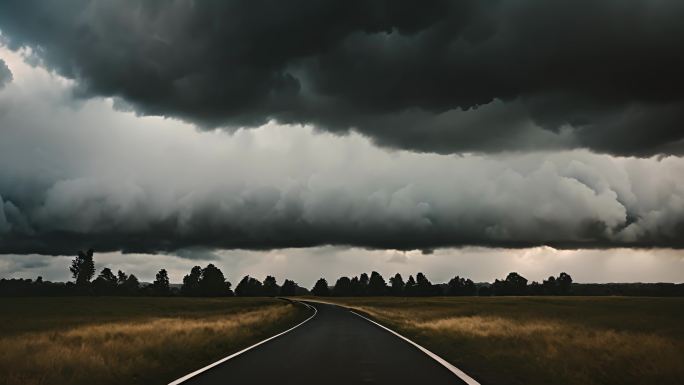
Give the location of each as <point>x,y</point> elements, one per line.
<point>128,340</point>
<point>545,340</point>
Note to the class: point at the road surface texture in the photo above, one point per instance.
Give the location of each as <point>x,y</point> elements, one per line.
<point>334,347</point>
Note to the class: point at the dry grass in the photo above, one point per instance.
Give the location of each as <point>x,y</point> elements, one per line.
<point>141,350</point>
<point>546,340</point>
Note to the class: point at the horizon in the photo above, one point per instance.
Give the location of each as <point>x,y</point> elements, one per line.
<point>479,264</point>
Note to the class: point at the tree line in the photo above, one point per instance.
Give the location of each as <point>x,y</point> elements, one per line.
<point>199,282</point>
<point>420,286</point>
<point>211,282</point>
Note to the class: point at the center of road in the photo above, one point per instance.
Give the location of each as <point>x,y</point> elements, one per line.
<point>333,346</point>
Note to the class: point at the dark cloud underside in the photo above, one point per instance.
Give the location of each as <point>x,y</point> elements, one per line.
<point>443,76</point>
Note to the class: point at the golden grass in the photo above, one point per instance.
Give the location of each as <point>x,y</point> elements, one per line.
<point>146,351</point>
<point>522,341</point>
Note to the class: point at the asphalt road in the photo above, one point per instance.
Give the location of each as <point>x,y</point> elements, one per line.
<point>334,347</point>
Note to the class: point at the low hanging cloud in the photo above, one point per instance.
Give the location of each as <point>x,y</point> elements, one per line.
<point>437,76</point>
<point>76,175</point>
<point>5,74</point>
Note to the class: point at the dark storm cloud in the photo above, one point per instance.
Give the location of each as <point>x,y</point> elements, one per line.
<point>441,76</point>
<point>77,175</point>
<point>565,201</point>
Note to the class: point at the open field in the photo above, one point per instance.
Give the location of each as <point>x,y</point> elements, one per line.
<point>128,340</point>
<point>544,340</point>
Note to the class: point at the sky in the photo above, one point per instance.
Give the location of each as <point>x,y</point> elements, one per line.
<point>308,139</point>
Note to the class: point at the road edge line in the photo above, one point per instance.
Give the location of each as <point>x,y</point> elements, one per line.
<point>222,360</point>
<point>458,372</point>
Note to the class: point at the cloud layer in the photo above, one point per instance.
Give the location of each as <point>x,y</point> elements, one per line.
<point>76,175</point>
<point>439,76</point>
<point>5,74</point>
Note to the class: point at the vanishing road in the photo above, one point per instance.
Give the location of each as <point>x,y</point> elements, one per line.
<point>334,347</point>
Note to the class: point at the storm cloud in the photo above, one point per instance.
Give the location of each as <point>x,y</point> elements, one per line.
<point>5,74</point>
<point>76,175</point>
<point>436,76</point>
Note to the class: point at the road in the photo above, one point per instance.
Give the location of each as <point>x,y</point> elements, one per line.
<point>334,347</point>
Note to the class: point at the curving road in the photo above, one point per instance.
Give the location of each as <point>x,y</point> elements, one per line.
<point>334,347</point>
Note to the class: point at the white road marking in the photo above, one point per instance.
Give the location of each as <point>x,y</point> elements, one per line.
<point>219,362</point>
<point>458,372</point>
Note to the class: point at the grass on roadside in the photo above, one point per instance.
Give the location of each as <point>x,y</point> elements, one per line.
<point>128,340</point>
<point>552,340</point>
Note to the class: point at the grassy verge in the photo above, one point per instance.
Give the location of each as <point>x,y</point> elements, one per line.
<point>547,340</point>
<point>128,340</point>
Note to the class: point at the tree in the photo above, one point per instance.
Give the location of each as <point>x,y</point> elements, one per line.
<point>289,288</point>
<point>108,276</point>
<point>343,287</point>
<point>549,286</point>
<point>83,267</point>
<point>191,281</point>
<point>355,287</point>
<point>557,286</point>
<point>160,286</point>
<point>363,284</point>
<point>411,288</point>
<point>121,277</point>
<point>321,289</point>
<point>469,287</point>
<point>535,288</point>
<point>484,291</point>
<point>105,283</point>
<point>564,283</point>
<point>424,287</point>
<point>397,285</point>
<point>249,287</point>
<point>270,286</point>
<point>514,284</point>
<point>131,285</point>
<point>376,284</point>
<point>213,283</point>
<point>461,286</point>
